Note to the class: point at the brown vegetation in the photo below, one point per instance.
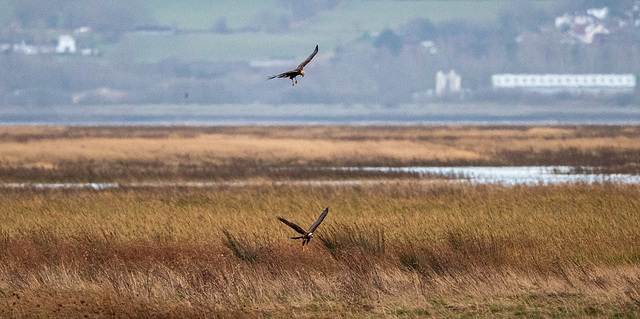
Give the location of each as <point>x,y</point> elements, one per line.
<point>404,247</point>
<point>395,249</point>
<point>228,153</point>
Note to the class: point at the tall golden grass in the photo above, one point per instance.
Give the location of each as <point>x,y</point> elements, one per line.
<point>405,248</point>
<point>213,153</point>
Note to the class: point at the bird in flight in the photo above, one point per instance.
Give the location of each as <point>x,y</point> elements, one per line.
<point>297,71</point>
<point>306,235</point>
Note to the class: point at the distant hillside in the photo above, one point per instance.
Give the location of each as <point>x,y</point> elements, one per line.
<point>347,15</point>
<point>229,30</point>
<point>204,14</point>
<point>384,52</point>
<point>253,35</point>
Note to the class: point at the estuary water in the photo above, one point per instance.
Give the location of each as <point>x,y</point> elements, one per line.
<point>514,175</point>
<point>504,175</point>
<point>319,114</point>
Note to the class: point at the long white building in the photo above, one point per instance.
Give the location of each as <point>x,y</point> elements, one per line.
<point>573,83</point>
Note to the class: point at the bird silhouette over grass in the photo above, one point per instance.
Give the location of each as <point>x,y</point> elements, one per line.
<point>306,235</point>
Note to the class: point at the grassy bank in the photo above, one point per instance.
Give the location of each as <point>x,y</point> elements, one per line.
<point>56,154</point>
<point>397,249</point>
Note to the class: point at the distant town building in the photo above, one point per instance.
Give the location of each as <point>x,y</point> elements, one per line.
<point>441,83</point>
<point>82,30</point>
<point>583,28</point>
<point>66,44</point>
<point>454,82</point>
<point>599,13</point>
<point>22,47</point>
<point>573,83</point>
<point>447,83</point>
<point>430,46</point>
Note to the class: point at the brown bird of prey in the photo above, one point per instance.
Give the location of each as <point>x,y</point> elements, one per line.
<point>306,235</point>
<point>297,71</point>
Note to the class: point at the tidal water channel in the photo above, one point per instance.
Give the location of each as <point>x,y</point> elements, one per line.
<point>514,175</point>
<point>507,176</point>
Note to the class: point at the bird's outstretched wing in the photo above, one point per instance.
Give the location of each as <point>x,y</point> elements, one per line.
<point>305,62</point>
<point>292,225</point>
<point>320,219</point>
<point>284,75</point>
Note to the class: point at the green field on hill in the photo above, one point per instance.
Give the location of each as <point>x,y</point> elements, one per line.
<point>360,15</point>
<point>331,28</point>
<point>377,15</point>
<point>222,47</point>
<point>339,26</point>
<point>203,14</point>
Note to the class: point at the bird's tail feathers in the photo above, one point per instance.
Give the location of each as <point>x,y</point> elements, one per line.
<point>296,237</point>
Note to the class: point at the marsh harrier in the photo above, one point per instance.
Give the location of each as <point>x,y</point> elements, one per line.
<point>306,235</point>
<point>297,71</point>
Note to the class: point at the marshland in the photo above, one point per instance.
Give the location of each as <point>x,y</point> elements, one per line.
<point>402,246</point>
<point>108,154</point>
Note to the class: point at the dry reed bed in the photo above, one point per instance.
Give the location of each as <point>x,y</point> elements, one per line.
<point>161,153</point>
<point>404,248</point>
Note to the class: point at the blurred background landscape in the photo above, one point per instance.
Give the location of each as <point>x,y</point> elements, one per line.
<point>144,158</point>
<point>205,62</point>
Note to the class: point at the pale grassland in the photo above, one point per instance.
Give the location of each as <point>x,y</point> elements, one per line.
<point>220,148</point>
<point>396,249</point>
<point>323,144</point>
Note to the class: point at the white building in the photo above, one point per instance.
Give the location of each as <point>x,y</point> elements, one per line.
<point>573,83</point>
<point>25,48</point>
<point>66,44</point>
<point>455,82</point>
<point>447,83</point>
<point>441,83</point>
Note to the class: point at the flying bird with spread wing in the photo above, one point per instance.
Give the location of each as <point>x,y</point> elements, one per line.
<point>306,235</point>
<point>297,71</point>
